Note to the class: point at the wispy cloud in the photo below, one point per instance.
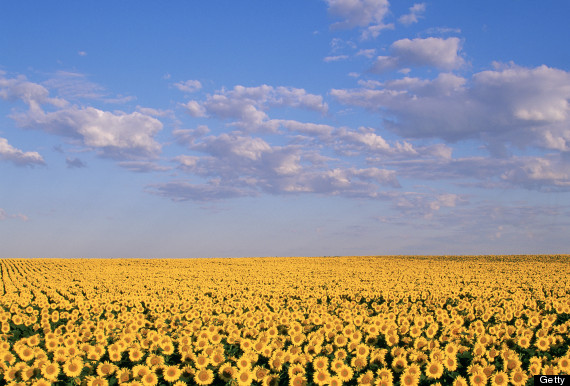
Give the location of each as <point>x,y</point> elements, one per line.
<point>416,12</point>
<point>188,86</point>
<point>17,156</point>
<point>6,216</point>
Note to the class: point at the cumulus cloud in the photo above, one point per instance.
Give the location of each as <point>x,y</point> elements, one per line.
<point>247,106</point>
<point>429,52</point>
<point>509,105</point>
<point>19,88</point>
<point>115,135</point>
<point>188,86</point>
<point>366,14</point>
<point>250,165</point>
<point>17,156</point>
<point>416,13</point>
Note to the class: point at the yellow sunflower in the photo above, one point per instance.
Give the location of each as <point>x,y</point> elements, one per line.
<point>434,370</point>
<point>499,378</point>
<point>50,371</point>
<point>171,373</point>
<point>204,376</point>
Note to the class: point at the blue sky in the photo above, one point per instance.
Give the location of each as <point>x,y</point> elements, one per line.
<point>298,128</point>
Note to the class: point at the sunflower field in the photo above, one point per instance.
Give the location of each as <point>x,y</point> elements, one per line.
<point>390,320</point>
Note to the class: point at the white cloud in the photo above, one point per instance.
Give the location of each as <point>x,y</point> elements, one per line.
<point>247,106</point>
<point>19,88</point>
<point>513,105</point>
<point>115,135</point>
<point>335,58</point>
<point>195,109</point>
<point>17,156</point>
<point>252,165</point>
<point>188,86</point>
<point>433,52</point>
<point>416,12</point>
<point>369,53</point>
<point>366,14</point>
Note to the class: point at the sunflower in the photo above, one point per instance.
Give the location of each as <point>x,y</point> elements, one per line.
<point>73,367</point>
<point>478,379</point>
<point>105,369</point>
<point>450,363</point>
<point>298,380</point>
<point>123,375</point>
<point>202,361</point>
<point>542,343</point>
<point>434,370</point>
<point>320,363</point>
<point>519,378</point>
<point>27,373</point>
<point>150,379</point>
<point>171,373</point>
<point>337,365</point>
<point>270,380</point>
<point>217,358</point>
<point>358,362</point>
<point>244,377</point>
<point>362,351</point>
<point>26,354</point>
<point>321,377</point>
<point>340,340</point>
<point>460,381</point>
<point>244,362</point>
<point>154,360</point>
<point>564,364</point>
<point>335,381</point>
<point>259,373</point>
<point>399,363</point>
<point>366,379</point>
<point>345,373</point>
<point>97,381</point>
<point>340,354</point>
<point>296,369</point>
<point>499,378</point>
<point>8,357</point>
<point>408,379</point>
<point>227,371</point>
<point>135,354</point>
<point>385,373</point>
<point>140,371</point>
<point>115,356</point>
<point>203,376</point>
<point>41,382</point>
<point>50,371</point>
